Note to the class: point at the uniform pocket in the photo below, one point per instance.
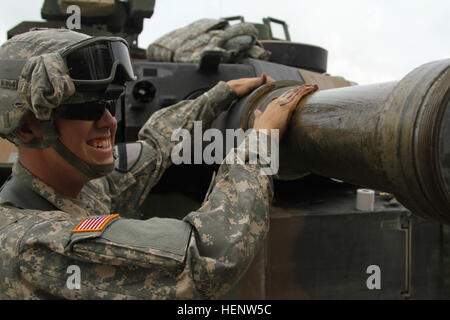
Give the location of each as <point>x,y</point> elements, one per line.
<point>136,242</point>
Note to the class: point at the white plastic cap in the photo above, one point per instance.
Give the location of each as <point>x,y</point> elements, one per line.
<point>365,199</point>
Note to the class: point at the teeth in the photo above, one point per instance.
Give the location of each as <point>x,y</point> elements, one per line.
<point>101,144</point>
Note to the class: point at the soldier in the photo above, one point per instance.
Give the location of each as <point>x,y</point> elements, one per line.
<point>60,209</point>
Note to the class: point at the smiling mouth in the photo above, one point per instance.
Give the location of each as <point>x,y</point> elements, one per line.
<point>100,143</point>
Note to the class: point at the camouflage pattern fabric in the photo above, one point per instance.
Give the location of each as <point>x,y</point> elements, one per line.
<point>43,83</point>
<point>188,43</point>
<point>201,256</point>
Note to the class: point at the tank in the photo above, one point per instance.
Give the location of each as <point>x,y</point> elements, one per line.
<point>123,19</point>
<point>383,143</point>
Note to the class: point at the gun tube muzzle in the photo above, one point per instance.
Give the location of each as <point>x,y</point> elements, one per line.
<point>390,136</point>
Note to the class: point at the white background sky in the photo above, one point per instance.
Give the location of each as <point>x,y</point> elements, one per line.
<point>368,41</point>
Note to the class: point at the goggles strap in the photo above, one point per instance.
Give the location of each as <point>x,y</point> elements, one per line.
<point>49,134</point>
<point>90,170</point>
<point>36,143</point>
<point>51,139</point>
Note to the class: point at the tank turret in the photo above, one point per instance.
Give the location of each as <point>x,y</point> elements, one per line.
<point>124,19</point>
<point>387,142</point>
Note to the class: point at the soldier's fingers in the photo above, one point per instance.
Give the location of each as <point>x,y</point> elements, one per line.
<point>257,81</point>
<point>257,113</point>
<point>263,78</point>
<point>304,90</point>
<point>274,103</point>
<point>269,79</point>
<point>298,90</point>
<point>288,96</point>
<point>310,88</point>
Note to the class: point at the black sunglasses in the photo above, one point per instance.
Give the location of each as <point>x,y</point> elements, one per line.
<point>92,111</point>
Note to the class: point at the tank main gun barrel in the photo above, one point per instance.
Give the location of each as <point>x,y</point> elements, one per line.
<point>390,136</point>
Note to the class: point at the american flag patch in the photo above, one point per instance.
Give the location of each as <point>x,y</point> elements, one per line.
<point>94,223</point>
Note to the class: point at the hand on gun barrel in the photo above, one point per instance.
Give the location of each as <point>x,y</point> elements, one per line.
<point>279,110</point>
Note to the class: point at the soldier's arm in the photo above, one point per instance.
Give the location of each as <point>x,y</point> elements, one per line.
<point>199,257</point>
<point>158,130</point>
<point>140,165</point>
<point>147,160</point>
<point>232,223</point>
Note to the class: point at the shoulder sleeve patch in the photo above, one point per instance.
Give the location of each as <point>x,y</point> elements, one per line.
<point>166,238</point>
<point>93,224</point>
<point>129,242</point>
<point>127,155</point>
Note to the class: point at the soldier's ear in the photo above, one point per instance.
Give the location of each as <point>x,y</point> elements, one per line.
<point>30,129</point>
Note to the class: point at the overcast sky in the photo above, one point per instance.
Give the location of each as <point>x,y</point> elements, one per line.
<point>368,41</point>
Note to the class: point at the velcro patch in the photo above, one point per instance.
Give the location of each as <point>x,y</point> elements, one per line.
<point>97,223</point>
<point>127,155</point>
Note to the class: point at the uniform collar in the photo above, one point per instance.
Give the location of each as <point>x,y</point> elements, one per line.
<point>75,207</point>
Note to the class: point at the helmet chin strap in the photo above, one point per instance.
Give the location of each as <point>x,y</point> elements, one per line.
<point>51,139</point>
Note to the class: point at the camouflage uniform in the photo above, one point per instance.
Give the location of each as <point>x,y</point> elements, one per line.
<point>188,43</point>
<point>201,256</point>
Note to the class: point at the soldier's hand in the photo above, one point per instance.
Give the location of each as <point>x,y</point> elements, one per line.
<point>279,110</point>
<point>244,85</point>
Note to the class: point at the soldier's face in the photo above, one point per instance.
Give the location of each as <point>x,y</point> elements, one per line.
<point>91,141</point>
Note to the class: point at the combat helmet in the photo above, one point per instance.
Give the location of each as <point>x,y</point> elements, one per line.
<point>44,69</point>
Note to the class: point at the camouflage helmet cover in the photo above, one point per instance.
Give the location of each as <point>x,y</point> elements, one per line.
<point>44,83</point>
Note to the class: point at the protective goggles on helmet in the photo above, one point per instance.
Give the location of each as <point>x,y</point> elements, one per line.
<point>92,63</point>
<point>87,111</point>
<point>98,61</point>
